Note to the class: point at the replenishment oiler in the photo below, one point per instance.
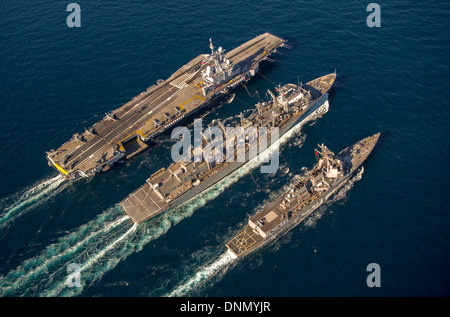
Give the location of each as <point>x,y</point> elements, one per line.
<point>288,106</point>
<point>299,201</point>
<point>126,131</point>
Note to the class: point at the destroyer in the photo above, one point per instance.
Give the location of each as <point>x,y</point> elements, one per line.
<point>302,198</point>
<point>125,132</point>
<point>183,180</point>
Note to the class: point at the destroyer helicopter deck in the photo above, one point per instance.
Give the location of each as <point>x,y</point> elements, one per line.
<point>124,132</point>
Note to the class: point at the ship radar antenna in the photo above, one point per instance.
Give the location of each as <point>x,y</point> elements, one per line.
<point>211,46</point>
<point>241,116</point>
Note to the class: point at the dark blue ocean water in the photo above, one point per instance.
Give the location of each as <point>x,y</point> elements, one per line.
<point>56,80</point>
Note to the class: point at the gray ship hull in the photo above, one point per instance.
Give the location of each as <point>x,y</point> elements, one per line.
<point>320,106</point>
<point>236,165</point>
<point>185,178</point>
<point>289,225</point>
<point>259,230</point>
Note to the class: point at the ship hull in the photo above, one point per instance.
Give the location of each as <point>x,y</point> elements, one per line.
<point>236,165</point>
<point>320,106</point>
<point>252,237</point>
<point>283,229</point>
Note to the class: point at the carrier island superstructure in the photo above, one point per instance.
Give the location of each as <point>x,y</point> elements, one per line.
<point>124,132</point>
<point>169,187</point>
<point>302,198</point>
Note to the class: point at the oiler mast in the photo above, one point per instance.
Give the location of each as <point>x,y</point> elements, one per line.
<point>329,161</point>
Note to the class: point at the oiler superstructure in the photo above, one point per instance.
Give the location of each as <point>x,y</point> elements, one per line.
<point>184,179</point>
<point>289,209</point>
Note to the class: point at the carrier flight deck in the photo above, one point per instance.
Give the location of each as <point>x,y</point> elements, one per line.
<point>124,132</point>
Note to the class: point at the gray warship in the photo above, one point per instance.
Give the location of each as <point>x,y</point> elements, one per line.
<point>126,131</point>
<point>299,201</point>
<point>182,180</point>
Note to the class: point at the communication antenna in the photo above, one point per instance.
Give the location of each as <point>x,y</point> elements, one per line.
<point>211,46</point>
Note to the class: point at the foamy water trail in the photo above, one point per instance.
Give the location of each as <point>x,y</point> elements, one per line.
<point>91,247</point>
<point>96,259</point>
<point>91,261</point>
<point>45,275</point>
<point>38,272</point>
<point>101,244</point>
<point>202,275</point>
<point>31,196</point>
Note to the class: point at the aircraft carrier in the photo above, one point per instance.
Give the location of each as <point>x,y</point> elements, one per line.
<point>124,132</point>
<point>302,198</point>
<point>182,180</point>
